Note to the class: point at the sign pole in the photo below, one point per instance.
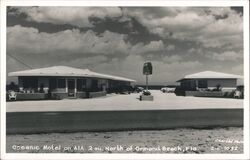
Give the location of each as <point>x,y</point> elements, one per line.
<point>147,70</point>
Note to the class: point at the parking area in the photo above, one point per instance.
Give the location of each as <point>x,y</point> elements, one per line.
<point>113,102</point>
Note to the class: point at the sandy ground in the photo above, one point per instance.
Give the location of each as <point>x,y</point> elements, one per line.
<point>200,141</point>
<point>125,102</point>
<point>217,140</point>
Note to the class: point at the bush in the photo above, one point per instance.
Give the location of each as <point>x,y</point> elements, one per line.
<point>179,91</point>
<point>228,94</point>
<point>231,94</point>
<point>146,93</point>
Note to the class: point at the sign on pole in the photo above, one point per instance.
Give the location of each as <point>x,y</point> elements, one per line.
<point>147,68</point>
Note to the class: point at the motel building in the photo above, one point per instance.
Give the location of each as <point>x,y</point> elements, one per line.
<point>209,83</point>
<point>59,82</point>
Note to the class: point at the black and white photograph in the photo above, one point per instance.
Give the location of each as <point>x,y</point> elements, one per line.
<point>125,80</point>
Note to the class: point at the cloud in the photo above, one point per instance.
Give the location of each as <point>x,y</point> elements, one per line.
<point>227,56</point>
<point>170,47</point>
<point>213,27</point>
<point>198,51</point>
<point>172,20</point>
<point>238,69</point>
<point>30,40</point>
<point>85,62</point>
<point>171,72</point>
<point>77,16</point>
<point>151,47</point>
<point>172,59</point>
<point>163,72</point>
<point>224,31</point>
<point>181,40</point>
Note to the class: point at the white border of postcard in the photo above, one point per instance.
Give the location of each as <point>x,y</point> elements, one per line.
<point>14,156</point>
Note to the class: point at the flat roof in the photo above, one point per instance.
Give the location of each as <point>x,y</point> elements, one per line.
<point>65,71</point>
<point>211,75</point>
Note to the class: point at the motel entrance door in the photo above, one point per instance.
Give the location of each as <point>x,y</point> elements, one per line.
<point>71,88</point>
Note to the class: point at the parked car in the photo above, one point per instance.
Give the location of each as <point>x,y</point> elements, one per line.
<point>139,89</point>
<point>168,89</point>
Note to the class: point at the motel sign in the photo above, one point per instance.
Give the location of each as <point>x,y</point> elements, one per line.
<point>147,68</point>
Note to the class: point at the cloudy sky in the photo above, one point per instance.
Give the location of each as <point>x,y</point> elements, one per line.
<point>118,40</point>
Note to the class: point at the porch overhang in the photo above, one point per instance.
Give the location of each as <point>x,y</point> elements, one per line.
<point>64,71</point>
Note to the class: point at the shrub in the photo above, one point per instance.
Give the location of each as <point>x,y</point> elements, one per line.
<point>228,94</point>
<point>146,93</point>
<point>231,94</point>
<point>179,91</point>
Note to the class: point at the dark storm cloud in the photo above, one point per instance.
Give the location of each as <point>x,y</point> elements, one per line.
<point>131,27</point>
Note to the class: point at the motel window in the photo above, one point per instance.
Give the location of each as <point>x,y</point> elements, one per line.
<point>202,84</point>
<point>81,84</point>
<point>61,83</point>
<point>30,83</point>
<point>94,85</point>
<point>52,84</point>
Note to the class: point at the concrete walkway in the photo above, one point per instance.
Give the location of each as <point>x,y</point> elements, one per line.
<point>113,102</point>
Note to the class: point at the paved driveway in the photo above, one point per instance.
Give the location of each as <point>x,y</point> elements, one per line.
<point>162,101</point>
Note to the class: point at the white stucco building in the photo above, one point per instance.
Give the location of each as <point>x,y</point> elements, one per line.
<point>209,81</point>
<point>62,81</point>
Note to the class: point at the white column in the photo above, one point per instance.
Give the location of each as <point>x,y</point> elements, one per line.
<point>75,86</point>
<point>20,83</point>
<point>196,83</point>
<point>57,90</point>
<point>66,80</point>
